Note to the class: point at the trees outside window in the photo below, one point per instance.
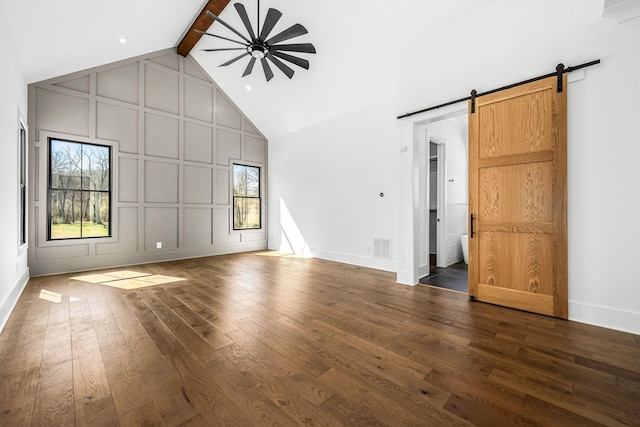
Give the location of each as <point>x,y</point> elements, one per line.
<point>79,190</point>
<point>246,197</point>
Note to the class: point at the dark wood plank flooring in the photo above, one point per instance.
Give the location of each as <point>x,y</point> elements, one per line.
<point>251,339</point>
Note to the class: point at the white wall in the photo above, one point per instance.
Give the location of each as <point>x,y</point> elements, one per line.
<point>14,272</point>
<point>500,43</point>
<point>324,196</point>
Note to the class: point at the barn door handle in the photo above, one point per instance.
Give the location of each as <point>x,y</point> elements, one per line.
<point>471,226</point>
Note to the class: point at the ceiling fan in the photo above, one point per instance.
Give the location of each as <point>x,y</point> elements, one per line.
<point>259,46</point>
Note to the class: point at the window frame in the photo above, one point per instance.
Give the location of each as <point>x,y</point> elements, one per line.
<point>72,140</point>
<point>259,197</point>
<point>23,189</point>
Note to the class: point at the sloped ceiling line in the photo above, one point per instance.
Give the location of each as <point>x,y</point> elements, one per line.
<point>621,10</point>
<point>202,23</point>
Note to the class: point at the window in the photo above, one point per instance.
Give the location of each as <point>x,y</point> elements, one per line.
<point>79,191</point>
<point>246,197</point>
<point>22,182</point>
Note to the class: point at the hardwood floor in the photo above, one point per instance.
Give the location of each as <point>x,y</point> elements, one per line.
<point>252,339</point>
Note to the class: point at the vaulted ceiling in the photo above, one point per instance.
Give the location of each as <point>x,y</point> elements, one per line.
<point>356,41</point>
<point>358,45</point>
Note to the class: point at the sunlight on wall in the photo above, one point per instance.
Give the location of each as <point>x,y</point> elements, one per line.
<point>292,240</point>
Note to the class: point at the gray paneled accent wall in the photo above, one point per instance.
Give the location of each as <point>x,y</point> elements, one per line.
<point>175,136</point>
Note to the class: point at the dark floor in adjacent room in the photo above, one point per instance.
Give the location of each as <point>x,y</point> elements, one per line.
<point>453,277</point>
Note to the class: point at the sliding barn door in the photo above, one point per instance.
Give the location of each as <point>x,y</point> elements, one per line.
<point>518,198</point>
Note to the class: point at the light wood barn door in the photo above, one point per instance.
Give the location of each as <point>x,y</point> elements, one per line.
<point>518,198</point>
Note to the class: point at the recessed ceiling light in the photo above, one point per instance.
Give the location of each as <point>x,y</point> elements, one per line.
<point>123,40</point>
<point>247,87</point>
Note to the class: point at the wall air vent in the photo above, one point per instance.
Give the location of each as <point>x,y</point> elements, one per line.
<point>382,248</point>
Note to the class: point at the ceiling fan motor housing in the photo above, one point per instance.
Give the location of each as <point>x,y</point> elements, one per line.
<point>258,49</point>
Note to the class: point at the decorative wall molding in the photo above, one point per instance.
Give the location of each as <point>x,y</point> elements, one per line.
<point>621,10</point>
<point>174,136</point>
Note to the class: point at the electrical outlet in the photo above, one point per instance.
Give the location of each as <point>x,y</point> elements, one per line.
<point>158,245</point>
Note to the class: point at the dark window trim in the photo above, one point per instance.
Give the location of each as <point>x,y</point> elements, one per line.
<point>234,197</point>
<point>22,153</point>
<point>49,188</point>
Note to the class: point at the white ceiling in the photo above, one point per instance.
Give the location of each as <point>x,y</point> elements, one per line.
<point>56,37</point>
<point>357,43</point>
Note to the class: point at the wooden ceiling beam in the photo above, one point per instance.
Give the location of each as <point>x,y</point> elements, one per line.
<point>202,23</point>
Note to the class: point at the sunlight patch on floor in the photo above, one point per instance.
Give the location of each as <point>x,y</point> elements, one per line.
<point>143,282</point>
<point>54,297</point>
<point>126,279</point>
<point>50,296</point>
<point>283,254</point>
<point>107,277</point>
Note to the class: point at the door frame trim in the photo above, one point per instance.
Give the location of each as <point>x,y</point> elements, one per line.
<point>411,137</point>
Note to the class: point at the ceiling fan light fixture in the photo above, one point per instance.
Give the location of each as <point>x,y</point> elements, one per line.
<point>258,51</point>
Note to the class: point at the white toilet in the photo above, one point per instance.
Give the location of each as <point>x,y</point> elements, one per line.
<point>464,240</point>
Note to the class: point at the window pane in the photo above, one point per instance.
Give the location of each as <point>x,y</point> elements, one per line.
<point>239,180</point>
<point>65,214</point>
<point>95,215</point>
<point>95,167</point>
<point>253,182</point>
<point>246,181</point>
<point>65,164</point>
<point>79,190</point>
<point>23,181</point>
<point>23,215</point>
<point>23,156</point>
<point>246,213</point>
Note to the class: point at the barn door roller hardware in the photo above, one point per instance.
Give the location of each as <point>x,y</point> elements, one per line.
<point>559,73</point>
<point>560,70</point>
<point>474,94</point>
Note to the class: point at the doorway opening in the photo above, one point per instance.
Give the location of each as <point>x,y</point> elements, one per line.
<point>416,133</point>
<point>434,220</point>
<point>445,189</point>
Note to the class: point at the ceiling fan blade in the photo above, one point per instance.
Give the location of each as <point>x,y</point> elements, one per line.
<point>293,59</point>
<point>245,19</point>
<point>300,47</point>
<point>267,70</point>
<point>281,65</point>
<point>291,32</point>
<point>224,49</point>
<point>237,58</point>
<point>217,18</point>
<point>273,16</point>
<point>219,37</point>
<point>249,68</point>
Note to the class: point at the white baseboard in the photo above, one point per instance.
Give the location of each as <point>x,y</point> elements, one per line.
<point>606,317</point>
<point>377,264</point>
<point>423,270</point>
<point>76,264</point>
<point>404,278</point>
<point>7,306</point>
